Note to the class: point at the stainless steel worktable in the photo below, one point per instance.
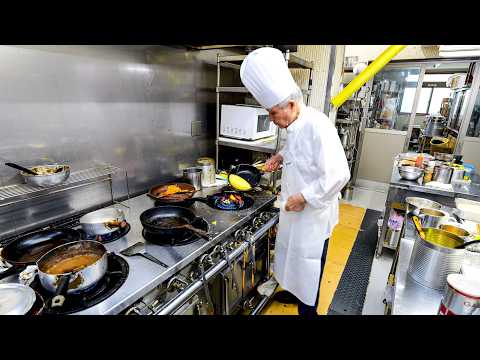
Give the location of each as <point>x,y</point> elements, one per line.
<point>399,189</point>
<point>145,275</point>
<point>468,191</point>
<point>411,298</point>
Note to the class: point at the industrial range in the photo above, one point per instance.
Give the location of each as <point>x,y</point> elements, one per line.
<point>266,180</point>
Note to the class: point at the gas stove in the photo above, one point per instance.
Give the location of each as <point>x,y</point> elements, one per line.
<point>144,280</point>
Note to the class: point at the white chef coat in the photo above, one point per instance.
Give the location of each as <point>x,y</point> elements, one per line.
<point>314,164</point>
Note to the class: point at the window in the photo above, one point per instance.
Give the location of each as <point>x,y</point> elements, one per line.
<point>436,100</point>
<point>433,92</point>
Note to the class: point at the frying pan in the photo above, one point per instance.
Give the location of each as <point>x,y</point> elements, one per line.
<point>27,249</point>
<point>170,221</point>
<point>180,199</point>
<point>248,172</point>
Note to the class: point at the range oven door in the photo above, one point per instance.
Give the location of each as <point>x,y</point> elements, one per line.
<point>228,284</point>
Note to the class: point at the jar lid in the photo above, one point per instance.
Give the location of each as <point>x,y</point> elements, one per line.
<point>464,285</point>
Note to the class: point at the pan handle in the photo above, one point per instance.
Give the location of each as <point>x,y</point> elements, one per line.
<point>12,271</point>
<point>199,232</point>
<point>61,291</point>
<point>201,199</point>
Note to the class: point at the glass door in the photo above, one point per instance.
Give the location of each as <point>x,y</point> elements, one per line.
<point>391,102</point>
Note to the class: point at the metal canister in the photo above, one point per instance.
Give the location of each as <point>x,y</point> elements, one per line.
<point>208,171</point>
<point>442,174</point>
<point>434,258</point>
<point>458,173</point>
<point>194,175</point>
<point>462,296</point>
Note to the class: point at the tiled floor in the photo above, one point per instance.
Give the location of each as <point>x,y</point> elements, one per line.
<point>373,195</point>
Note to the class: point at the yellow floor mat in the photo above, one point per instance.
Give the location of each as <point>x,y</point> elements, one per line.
<point>339,248</point>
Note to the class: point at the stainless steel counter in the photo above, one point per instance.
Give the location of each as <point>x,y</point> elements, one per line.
<point>145,275</point>
<point>469,191</point>
<point>411,298</point>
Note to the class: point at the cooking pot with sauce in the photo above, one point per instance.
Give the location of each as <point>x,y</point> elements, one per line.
<point>72,268</point>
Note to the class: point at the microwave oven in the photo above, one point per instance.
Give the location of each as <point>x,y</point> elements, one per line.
<point>246,122</point>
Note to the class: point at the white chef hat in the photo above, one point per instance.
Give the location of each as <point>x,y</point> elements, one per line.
<point>265,73</point>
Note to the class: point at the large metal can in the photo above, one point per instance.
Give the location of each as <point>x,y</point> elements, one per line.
<point>434,258</point>
<point>462,296</point>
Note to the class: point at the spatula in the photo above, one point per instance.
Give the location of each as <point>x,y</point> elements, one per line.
<point>138,249</point>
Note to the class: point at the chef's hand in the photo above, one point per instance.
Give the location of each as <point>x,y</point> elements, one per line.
<point>274,162</point>
<point>295,203</point>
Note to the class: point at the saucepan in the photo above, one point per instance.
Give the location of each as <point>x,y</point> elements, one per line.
<point>72,268</point>
<point>414,204</point>
<point>433,218</point>
<point>103,221</point>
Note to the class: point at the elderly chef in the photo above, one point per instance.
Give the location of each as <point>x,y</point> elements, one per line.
<point>315,170</point>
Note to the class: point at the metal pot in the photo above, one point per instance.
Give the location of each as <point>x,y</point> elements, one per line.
<point>442,174</point>
<point>432,218</point>
<point>455,230</point>
<point>434,258</point>
<point>434,126</point>
<point>194,174</point>
<point>102,221</point>
<point>443,156</point>
<point>84,265</point>
<point>49,179</point>
<point>457,174</point>
<point>414,204</point>
<point>462,296</point>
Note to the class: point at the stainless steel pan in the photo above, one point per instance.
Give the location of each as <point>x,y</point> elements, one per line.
<point>102,221</point>
<point>414,204</point>
<point>47,175</point>
<point>72,268</point>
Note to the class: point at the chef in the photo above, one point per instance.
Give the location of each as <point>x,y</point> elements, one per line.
<point>314,172</point>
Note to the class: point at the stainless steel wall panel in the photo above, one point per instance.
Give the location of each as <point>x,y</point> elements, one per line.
<point>102,104</point>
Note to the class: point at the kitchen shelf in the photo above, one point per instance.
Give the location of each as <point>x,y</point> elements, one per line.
<point>294,61</point>
<point>267,145</point>
<point>12,194</point>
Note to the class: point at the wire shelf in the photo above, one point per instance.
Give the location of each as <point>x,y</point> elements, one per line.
<point>11,194</point>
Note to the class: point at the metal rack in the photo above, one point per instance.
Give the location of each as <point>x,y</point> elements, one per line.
<point>12,194</point>
<point>269,145</point>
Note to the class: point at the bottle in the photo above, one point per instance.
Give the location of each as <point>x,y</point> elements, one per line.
<point>427,176</point>
<point>419,161</point>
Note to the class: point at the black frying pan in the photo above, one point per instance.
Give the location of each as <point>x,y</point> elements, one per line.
<point>248,172</point>
<point>27,249</point>
<point>170,221</point>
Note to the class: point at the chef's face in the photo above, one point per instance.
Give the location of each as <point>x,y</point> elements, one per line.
<point>283,116</point>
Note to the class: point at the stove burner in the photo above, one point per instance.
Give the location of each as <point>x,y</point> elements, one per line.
<point>187,237</point>
<point>117,272</point>
<point>224,201</point>
<point>106,238</point>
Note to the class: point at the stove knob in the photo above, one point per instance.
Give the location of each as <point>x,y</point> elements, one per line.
<point>239,234</point>
<point>265,216</point>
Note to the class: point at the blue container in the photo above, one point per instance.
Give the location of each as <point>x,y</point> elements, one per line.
<point>469,171</point>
